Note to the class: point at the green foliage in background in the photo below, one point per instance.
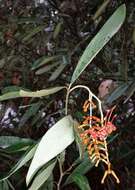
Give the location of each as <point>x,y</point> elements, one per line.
<point>50,51</point>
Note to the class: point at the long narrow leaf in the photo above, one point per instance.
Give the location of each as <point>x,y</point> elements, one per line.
<point>98,42</point>
<point>49,184</point>
<point>46,68</point>
<point>57,72</point>
<point>32,33</point>
<point>18,147</point>
<point>82,182</point>
<point>26,157</point>
<point>117,93</point>
<point>81,169</point>
<point>36,94</point>
<point>43,175</point>
<point>41,93</point>
<point>43,60</point>
<point>57,138</point>
<point>32,110</point>
<point>57,30</point>
<point>6,141</point>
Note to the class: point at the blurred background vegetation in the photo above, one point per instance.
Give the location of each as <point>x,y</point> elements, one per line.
<point>40,44</point>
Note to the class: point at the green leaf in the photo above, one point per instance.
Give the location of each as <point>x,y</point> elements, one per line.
<point>25,158</point>
<point>4,185</point>
<point>37,117</point>
<point>42,176</point>
<point>117,93</point>
<point>57,72</point>
<point>18,147</point>
<point>36,94</point>
<point>56,139</point>
<point>32,110</point>
<point>111,138</point>
<point>98,42</point>
<point>46,68</point>
<point>48,185</point>
<point>12,88</point>
<point>78,140</point>
<point>41,93</point>
<point>57,30</point>
<point>101,9</point>
<point>6,141</point>
<point>10,185</point>
<point>26,20</point>
<point>33,32</point>
<point>81,169</point>
<point>9,95</point>
<point>36,63</point>
<point>81,181</point>
<point>130,91</point>
<point>43,60</point>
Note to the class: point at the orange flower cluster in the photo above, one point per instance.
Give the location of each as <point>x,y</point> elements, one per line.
<point>87,105</point>
<point>98,132</point>
<point>94,133</point>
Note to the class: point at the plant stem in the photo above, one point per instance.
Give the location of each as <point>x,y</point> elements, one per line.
<point>90,98</point>
<point>67,96</point>
<point>61,175</point>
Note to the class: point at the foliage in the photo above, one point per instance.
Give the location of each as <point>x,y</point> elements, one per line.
<point>36,54</point>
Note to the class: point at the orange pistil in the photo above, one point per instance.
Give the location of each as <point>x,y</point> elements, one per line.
<point>87,119</point>
<point>110,172</point>
<point>87,105</point>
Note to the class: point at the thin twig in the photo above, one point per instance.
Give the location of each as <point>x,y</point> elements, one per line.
<point>61,175</point>
<point>90,95</point>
